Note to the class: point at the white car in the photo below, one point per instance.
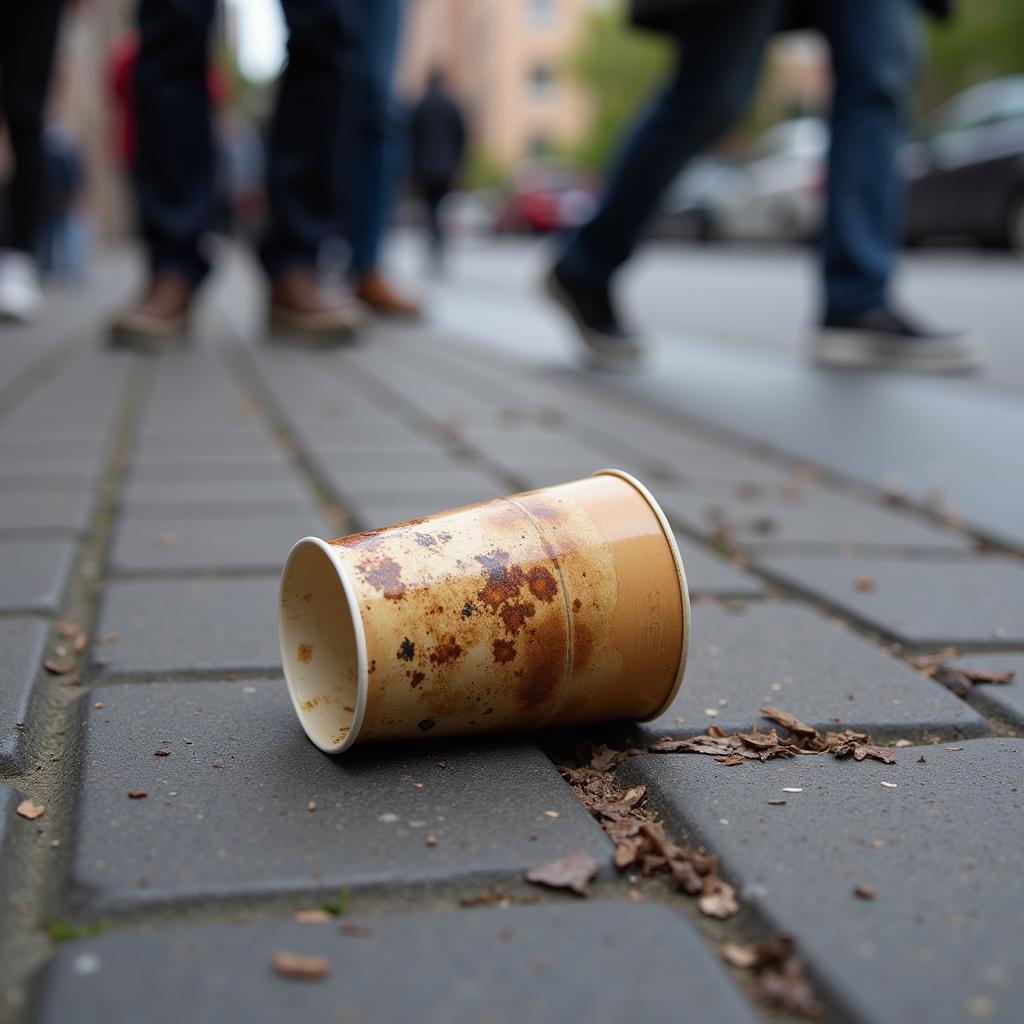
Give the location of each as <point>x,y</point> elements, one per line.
<point>778,193</point>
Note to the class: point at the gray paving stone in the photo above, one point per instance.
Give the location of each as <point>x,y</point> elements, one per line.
<point>22,642</point>
<point>227,813</point>
<point>161,498</point>
<point>1004,701</point>
<point>383,510</point>
<point>169,626</point>
<point>980,600</point>
<point>359,462</point>
<point>817,518</point>
<point>605,963</point>
<point>43,472</point>
<point>66,507</point>
<point>268,468</point>
<point>215,447</point>
<point>176,544</point>
<point>34,573</point>
<point>9,799</point>
<point>797,659</point>
<point>941,850</point>
<point>707,574</point>
<point>384,482</point>
<point>536,448</point>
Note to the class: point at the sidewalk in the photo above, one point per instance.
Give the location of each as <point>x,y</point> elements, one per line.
<point>146,507</point>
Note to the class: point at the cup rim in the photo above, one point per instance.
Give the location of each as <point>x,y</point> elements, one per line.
<point>684,592</point>
<point>358,632</point>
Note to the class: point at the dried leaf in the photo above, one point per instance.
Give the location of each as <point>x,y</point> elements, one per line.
<point>137,794</point>
<point>721,902</point>
<point>788,721</point>
<point>59,668</point>
<point>315,916</point>
<point>30,809</point>
<point>864,892</point>
<point>788,990</point>
<point>574,871</point>
<point>864,583</point>
<point>756,956</point>
<point>301,967</point>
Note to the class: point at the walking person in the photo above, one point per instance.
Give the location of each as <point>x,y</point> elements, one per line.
<point>176,177</point>
<point>438,145</point>
<point>28,39</point>
<point>381,124</point>
<point>875,51</point>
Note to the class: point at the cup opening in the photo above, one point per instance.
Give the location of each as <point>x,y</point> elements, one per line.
<point>323,649</point>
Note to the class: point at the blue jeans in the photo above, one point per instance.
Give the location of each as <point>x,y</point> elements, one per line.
<point>874,50</point>
<point>382,129</point>
<point>175,173</point>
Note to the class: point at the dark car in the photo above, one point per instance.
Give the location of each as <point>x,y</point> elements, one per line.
<point>966,175</point>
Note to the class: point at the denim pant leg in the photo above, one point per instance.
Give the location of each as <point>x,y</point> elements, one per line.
<point>719,56</point>
<point>381,127</point>
<point>875,47</point>
<point>28,38</point>
<point>306,178</point>
<point>175,179</point>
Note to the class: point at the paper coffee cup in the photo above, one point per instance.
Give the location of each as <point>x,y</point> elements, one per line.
<point>562,605</point>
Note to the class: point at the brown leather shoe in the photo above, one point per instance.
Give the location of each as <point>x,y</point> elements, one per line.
<point>299,305</point>
<point>373,290</point>
<point>159,317</point>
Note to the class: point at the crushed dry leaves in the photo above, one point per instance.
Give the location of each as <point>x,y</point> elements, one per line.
<point>574,872</point>
<point>137,794</point>
<point>314,916</point>
<point>735,748</point>
<point>960,679</point>
<point>641,842</point>
<point>301,967</point>
<point>30,809</point>
<point>59,668</point>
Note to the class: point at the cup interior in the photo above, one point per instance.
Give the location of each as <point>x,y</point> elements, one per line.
<point>323,650</point>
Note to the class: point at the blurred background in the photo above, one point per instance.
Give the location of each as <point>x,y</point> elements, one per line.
<point>547,87</point>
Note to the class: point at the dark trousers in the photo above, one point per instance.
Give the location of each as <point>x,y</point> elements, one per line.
<point>28,37</point>
<point>433,197</point>
<point>176,179</point>
<point>874,48</point>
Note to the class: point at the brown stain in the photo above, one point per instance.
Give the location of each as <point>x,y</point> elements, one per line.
<point>467,609</point>
<point>583,647</point>
<point>445,651</point>
<point>385,575</point>
<point>541,678</point>
<point>577,605</point>
<point>545,512</point>
<point>407,650</point>
<point>307,597</point>
<point>543,585</point>
<point>426,725</point>
<point>305,653</point>
<point>373,667</point>
<point>504,651</point>
<point>417,678</point>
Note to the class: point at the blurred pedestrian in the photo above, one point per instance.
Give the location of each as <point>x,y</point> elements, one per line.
<point>28,38</point>
<point>875,49</point>
<point>438,144</point>
<point>175,168</point>
<point>382,126</point>
<point>64,247</point>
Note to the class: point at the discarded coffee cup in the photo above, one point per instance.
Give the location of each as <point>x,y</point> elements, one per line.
<point>563,605</point>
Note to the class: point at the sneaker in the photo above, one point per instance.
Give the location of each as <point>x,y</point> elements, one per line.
<point>302,311</point>
<point>885,339</point>
<point>610,345</point>
<point>20,293</point>
<point>158,319</point>
<point>373,291</point>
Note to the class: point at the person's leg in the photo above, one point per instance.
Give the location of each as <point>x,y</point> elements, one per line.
<point>379,124</point>
<point>30,38</point>
<point>719,57</point>
<point>875,47</point>
<point>175,161</point>
<point>322,86</point>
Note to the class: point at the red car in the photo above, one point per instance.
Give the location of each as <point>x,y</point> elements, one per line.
<point>546,197</point>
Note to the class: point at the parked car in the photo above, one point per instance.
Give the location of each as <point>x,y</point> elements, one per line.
<point>775,194</point>
<point>966,174</point>
<point>546,195</point>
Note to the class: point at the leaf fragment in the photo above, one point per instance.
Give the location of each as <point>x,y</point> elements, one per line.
<point>574,872</point>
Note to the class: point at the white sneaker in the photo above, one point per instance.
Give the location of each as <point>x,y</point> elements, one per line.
<point>20,293</point>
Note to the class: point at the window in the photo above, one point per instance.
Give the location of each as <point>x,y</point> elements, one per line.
<point>541,82</point>
<point>541,13</point>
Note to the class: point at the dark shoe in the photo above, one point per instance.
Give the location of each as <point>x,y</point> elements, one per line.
<point>884,339</point>
<point>610,345</point>
<point>303,310</point>
<point>159,318</point>
<point>373,291</point>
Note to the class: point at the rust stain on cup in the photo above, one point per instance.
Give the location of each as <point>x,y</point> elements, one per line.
<point>562,605</point>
